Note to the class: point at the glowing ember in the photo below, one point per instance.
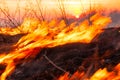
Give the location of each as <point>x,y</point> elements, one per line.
<point>48,34</point>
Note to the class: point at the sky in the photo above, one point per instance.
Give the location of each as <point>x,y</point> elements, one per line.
<point>73,7</point>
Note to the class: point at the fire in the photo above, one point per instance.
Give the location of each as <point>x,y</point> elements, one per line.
<point>101,74</point>
<point>75,76</point>
<point>48,34</point>
<point>9,31</point>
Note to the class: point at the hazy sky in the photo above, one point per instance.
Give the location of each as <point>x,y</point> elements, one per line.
<point>74,7</point>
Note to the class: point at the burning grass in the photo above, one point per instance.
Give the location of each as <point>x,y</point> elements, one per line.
<point>30,51</point>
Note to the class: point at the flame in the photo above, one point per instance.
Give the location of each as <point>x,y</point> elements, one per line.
<point>48,34</point>
<point>28,26</point>
<point>9,31</point>
<point>75,76</point>
<point>101,74</point>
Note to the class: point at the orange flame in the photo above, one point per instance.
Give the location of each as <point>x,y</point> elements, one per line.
<point>75,76</point>
<point>48,34</point>
<point>101,74</point>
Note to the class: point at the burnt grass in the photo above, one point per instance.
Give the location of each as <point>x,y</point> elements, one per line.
<point>103,51</point>
<point>7,42</point>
